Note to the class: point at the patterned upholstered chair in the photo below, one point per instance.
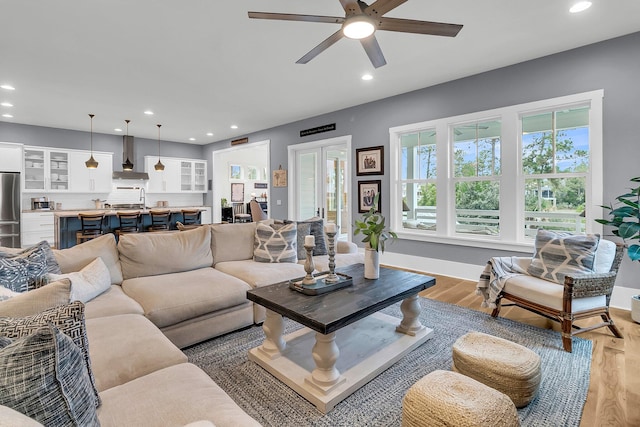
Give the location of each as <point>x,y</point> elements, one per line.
<point>577,296</point>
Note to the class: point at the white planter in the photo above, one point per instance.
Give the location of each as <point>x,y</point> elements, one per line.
<point>371,264</point>
<point>635,308</point>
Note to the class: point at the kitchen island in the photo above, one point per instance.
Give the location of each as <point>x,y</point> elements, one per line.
<point>67,223</point>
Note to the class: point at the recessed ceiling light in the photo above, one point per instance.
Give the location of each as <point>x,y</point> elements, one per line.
<point>149,113</point>
<point>8,87</point>
<point>580,6</point>
<point>192,139</point>
<point>7,104</point>
<point>118,130</point>
<point>209,133</point>
<point>8,116</point>
<point>234,126</point>
<point>367,77</point>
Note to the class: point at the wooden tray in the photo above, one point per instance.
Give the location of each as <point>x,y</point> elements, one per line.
<point>320,287</point>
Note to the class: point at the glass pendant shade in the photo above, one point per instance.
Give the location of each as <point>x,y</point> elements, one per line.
<point>159,166</point>
<point>91,163</point>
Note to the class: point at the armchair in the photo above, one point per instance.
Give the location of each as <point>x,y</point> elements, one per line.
<point>580,296</point>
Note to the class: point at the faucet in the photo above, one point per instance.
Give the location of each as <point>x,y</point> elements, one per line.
<point>143,198</point>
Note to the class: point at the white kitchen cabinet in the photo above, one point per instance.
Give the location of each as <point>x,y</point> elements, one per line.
<point>46,169</point>
<point>36,227</point>
<point>85,180</point>
<point>11,155</point>
<point>179,175</point>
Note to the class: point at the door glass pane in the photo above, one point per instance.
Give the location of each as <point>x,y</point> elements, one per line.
<point>307,199</point>
<point>335,189</point>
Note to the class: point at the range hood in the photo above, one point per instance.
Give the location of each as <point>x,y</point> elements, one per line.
<point>127,155</point>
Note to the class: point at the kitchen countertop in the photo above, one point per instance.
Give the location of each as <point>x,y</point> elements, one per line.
<point>112,212</point>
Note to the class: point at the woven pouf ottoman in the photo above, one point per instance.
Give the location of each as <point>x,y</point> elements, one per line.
<point>445,398</point>
<point>501,364</point>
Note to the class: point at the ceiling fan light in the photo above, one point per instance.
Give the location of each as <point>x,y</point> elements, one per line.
<point>358,27</point>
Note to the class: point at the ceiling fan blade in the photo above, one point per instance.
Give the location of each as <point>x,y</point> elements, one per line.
<point>371,46</point>
<point>296,17</point>
<point>418,27</point>
<point>351,7</point>
<point>321,47</point>
<point>381,7</point>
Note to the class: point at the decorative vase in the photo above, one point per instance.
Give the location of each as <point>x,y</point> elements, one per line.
<point>635,308</point>
<point>371,263</point>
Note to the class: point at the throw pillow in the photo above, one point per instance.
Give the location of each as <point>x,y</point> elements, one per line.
<point>275,245</point>
<point>316,225</point>
<point>36,301</point>
<point>558,254</point>
<point>27,269</point>
<point>68,318</point>
<point>44,377</point>
<point>89,282</point>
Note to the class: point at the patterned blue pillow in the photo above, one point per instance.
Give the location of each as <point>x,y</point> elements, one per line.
<point>44,377</point>
<point>275,245</point>
<point>26,270</point>
<point>559,254</point>
<point>316,225</point>
<point>69,318</point>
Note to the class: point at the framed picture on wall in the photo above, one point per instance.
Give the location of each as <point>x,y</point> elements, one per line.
<point>370,161</point>
<point>237,192</point>
<point>367,190</point>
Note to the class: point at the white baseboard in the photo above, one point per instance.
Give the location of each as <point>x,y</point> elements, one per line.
<point>621,297</point>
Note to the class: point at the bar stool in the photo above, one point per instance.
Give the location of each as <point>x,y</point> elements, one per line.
<point>129,222</point>
<point>91,226</point>
<point>160,220</point>
<point>190,216</point>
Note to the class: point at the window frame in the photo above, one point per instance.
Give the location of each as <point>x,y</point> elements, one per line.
<point>511,179</point>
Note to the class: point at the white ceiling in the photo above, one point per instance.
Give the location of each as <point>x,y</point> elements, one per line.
<point>203,65</point>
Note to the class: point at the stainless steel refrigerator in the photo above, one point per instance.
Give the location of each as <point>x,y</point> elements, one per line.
<point>10,209</point>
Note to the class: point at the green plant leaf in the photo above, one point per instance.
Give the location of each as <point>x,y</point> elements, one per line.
<point>628,229</point>
<point>634,252</point>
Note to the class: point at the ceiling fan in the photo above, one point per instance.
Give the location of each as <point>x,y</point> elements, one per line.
<point>360,22</point>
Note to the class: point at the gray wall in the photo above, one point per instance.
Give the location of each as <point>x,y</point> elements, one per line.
<point>613,65</point>
<point>79,140</point>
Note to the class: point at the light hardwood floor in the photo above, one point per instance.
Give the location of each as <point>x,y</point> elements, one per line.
<point>614,390</point>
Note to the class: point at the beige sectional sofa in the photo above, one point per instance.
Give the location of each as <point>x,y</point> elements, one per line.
<point>169,291</point>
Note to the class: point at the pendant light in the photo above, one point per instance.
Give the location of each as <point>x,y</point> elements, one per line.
<point>127,166</point>
<point>91,163</point>
<point>159,166</point>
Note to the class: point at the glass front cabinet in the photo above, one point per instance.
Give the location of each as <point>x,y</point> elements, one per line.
<point>46,170</point>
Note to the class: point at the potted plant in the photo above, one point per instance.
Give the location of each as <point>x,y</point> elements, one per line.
<point>625,221</point>
<point>223,202</point>
<point>372,225</point>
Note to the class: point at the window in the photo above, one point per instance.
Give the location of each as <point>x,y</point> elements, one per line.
<point>497,176</point>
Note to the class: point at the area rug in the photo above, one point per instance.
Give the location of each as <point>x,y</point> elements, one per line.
<point>559,402</point>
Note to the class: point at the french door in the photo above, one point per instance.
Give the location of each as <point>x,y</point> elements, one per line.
<point>322,181</point>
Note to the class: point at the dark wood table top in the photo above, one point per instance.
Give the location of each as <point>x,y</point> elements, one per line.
<point>329,312</point>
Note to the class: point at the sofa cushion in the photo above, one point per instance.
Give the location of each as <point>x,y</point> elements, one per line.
<point>27,269</point>
<point>89,282</point>
<point>126,347</point>
<point>558,254</point>
<point>173,298</point>
<point>258,274</point>
<point>179,394</point>
<point>112,303</point>
<point>79,256</point>
<point>548,294</point>
<point>274,246</point>
<point>605,255</point>
<point>151,254</point>
<point>69,319</point>
<point>44,377</point>
<point>35,301</point>
<point>242,236</point>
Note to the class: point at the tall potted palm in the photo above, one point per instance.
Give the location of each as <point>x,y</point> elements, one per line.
<point>625,221</point>
<point>373,227</point>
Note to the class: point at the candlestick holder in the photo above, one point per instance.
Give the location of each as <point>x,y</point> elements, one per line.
<point>332,277</point>
<point>309,266</point>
